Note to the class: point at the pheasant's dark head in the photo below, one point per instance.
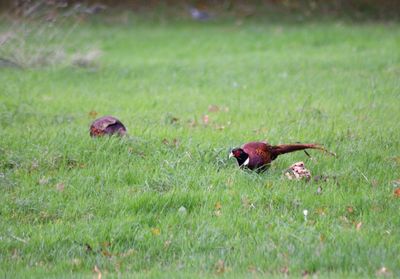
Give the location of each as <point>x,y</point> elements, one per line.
<point>241,156</point>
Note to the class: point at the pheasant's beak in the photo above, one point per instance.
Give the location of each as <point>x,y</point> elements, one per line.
<point>231,155</point>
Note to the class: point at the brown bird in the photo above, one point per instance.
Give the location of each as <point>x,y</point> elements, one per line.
<point>258,155</point>
<point>107,125</point>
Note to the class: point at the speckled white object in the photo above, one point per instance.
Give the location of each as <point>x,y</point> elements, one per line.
<point>298,171</point>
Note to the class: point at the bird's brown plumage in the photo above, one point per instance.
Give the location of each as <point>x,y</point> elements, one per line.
<point>261,154</point>
<point>107,125</point>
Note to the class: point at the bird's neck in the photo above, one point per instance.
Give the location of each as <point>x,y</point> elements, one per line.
<point>243,159</point>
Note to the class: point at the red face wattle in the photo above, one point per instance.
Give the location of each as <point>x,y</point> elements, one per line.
<point>237,152</point>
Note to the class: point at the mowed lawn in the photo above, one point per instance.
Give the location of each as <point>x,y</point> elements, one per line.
<point>166,201</point>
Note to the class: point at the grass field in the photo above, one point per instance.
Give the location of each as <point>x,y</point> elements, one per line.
<point>166,201</point>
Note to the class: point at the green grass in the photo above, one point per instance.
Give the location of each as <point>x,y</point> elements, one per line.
<point>328,82</point>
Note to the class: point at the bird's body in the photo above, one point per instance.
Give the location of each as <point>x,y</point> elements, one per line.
<point>258,155</point>
<point>107,125</point>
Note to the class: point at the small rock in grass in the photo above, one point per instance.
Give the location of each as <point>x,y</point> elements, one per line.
<point>182,210</point>
<point>107,125</point>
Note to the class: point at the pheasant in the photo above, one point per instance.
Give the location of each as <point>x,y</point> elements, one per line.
<point>107,125</point>
<point>258,155</point>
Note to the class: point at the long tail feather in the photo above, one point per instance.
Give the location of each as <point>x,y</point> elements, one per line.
<point>287,148</point>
